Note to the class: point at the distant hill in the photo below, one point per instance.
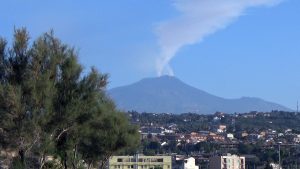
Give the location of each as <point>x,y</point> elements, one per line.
<point>167,94</point>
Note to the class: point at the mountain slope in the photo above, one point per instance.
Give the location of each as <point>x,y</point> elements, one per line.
<point>170,95</point>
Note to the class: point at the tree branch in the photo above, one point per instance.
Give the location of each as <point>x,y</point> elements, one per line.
<point>34,142</point>
<point>62,132</point>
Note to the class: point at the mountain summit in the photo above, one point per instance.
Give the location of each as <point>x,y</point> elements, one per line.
<point>167,94</point>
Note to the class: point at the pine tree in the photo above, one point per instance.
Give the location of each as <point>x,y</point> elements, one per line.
<point>48,107</point>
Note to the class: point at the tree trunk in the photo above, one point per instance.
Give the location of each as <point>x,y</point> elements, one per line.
<point>42,161</point>
<point>65,161</point>
<point>104,161</point>
<point>22,156</point>
<point>89,165</point>
<point>74,161</point>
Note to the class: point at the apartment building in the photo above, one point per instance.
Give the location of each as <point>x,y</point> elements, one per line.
<point>227,162</point>
<point>140,162</point>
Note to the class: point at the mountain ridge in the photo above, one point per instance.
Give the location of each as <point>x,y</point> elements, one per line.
<point>168,94</point>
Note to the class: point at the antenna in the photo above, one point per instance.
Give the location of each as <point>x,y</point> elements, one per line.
<point>297,106</point>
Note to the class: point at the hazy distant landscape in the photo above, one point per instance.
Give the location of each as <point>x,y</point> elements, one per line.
<point>167,94</point>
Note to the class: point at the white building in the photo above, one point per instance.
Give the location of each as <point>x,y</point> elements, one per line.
<point>190,163</point>
<point>230,136</point>
<point>297,139</point>
<point>275,166</point>
<point>227,162</point>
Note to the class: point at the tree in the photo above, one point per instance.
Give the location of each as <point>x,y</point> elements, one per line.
<point>49,107</point>
<point>116,136</point>
<point>22,105</point>
<point>268,166</point>
<point>158,167</point>
<point>245,148</point>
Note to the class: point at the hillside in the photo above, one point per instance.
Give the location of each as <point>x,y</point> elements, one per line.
<point>168,94</point>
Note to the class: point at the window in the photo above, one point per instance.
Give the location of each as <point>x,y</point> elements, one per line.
<point>120,160</point>
<point>153,160</point>
<point>160,160</point>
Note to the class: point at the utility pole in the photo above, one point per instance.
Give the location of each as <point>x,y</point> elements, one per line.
<point>279,160</point>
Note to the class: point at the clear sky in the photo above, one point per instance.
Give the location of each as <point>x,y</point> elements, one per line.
<point>230,48</point>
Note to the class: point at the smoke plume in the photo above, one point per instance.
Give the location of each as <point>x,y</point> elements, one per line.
<point>197,19</point>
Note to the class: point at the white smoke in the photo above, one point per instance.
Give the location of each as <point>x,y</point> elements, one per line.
<point>198,19</point>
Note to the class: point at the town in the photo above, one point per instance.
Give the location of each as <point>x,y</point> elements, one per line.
<point>255,138</point>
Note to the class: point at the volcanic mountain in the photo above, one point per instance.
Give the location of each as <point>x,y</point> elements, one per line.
<point>167,94</point>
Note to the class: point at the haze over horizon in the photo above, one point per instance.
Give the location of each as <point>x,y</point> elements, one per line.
<point>252,51</point>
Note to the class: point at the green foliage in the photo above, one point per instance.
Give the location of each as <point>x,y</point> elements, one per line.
<point>188,122</point>
<point>158,167</point>
<point>151,147</point>
<point>245,148</point>
<point>268,166</point>
<point>48,107</point>
<point>275,120</point>
<point>116,137</point>
<point>207,147</point>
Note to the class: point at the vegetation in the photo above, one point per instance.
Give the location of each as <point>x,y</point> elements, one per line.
<point>187,122</point>
<point>49,108</point>
<point>191,122</point>
<point>276,120</point>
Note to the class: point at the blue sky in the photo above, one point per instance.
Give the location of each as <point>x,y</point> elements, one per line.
<point>253,52</point>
